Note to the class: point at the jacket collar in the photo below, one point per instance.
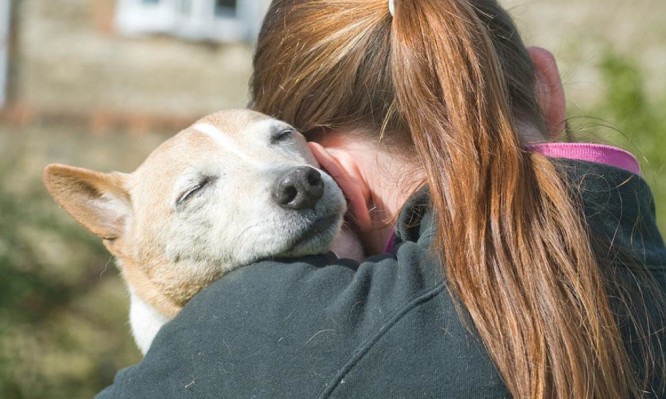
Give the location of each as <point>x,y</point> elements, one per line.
<point>617,205</point>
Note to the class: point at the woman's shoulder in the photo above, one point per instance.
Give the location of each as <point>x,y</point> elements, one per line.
<point>619,209</point>
<point>319,327</point>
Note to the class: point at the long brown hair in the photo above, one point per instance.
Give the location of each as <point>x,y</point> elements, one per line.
<point>451,80</point>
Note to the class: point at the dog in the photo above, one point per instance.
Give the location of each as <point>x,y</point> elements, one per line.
<point>235,187</point>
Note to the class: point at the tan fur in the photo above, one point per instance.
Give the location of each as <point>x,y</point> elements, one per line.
<point>148,290</point>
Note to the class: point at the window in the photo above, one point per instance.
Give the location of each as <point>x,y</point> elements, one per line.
<point>225,8</point>
<point>217,20</point>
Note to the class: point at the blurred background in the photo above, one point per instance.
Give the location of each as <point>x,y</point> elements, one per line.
<point>100,83</point>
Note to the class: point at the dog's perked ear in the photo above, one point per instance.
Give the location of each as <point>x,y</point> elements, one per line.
<point>99,201</point>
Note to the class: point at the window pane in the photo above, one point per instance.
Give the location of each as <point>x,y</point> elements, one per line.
<point>225,7</point>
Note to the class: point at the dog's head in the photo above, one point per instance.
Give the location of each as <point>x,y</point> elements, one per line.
<point>235,187</point>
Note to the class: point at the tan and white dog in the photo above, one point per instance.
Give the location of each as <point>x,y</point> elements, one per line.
<point>235,187</point>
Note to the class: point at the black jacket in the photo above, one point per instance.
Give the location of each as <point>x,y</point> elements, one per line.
<point>320,327</point>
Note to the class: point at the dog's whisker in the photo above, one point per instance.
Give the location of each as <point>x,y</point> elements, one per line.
<point>238,237</point>
<point>106,267</point>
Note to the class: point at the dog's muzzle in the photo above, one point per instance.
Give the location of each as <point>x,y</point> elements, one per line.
<point>299,188</point>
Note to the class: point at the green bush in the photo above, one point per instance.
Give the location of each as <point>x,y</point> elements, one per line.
<point>60,335</point>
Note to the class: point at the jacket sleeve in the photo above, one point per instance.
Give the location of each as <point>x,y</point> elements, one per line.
<point>272,329</point>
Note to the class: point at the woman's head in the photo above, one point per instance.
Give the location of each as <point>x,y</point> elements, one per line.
<point>450,83</point>
<point>339,64</point>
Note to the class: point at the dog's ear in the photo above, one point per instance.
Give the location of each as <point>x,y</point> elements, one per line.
<point>99,201</point>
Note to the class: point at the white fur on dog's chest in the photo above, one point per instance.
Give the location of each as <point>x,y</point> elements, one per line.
<point>145,321</point>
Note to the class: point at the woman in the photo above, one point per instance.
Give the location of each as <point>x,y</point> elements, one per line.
<point>507,272</point>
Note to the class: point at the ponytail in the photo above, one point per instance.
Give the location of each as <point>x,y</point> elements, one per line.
<point>450,80</point>
<point>516,253</point>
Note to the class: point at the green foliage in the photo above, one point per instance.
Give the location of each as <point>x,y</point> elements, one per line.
<point>58,337</point>
<point>625,97</point>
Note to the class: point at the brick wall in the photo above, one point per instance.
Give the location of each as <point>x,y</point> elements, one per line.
<point>69,64</point>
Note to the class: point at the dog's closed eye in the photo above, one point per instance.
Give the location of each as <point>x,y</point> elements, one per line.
<point>281,135</point>
<point>194,189</point>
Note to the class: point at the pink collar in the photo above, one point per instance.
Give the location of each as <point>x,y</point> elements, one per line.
<point>596,153</point>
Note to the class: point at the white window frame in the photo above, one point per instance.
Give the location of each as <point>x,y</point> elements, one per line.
<point>191,19</point>
<point>5,19</point>
<point>136,17</point>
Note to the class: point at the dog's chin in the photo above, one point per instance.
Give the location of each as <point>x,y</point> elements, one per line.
<point>314,239</point>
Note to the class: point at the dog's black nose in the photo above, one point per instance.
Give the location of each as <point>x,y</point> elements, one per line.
<point>299,188</point>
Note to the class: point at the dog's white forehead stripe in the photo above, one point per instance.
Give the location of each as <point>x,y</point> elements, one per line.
<point>225,141</point>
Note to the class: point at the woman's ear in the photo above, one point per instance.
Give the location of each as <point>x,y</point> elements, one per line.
<point>550,91</point>
<point>343,169</point>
